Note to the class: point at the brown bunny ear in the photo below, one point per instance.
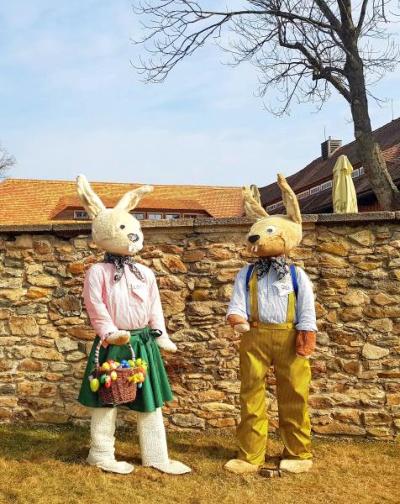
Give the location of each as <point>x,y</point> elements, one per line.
<point>252,208</point>
<point>289,200</point>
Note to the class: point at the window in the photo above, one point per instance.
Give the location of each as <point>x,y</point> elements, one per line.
<point>138,216</point>
<point>303,195</point>
<point>355,173</point>
<point>170,216</point>
<point>274,205</point>
<point>81,214</point>
<point>190,216</point>
<point>315,189</point>
<point>326,185</point>
<point>155,216</point>
<point>361,170</point>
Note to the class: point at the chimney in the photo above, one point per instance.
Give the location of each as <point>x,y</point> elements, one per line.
<point>329,147</point>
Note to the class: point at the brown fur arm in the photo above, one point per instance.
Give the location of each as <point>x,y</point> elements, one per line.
<point>305,343</point>
<point>238,323</point>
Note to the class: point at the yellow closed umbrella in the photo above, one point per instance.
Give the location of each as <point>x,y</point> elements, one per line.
<point>344,195</point>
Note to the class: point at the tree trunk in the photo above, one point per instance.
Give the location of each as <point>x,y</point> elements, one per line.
<point>368,150</point>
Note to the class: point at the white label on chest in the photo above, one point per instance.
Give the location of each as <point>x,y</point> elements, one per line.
<point>139,290</point>
<point>284,286</point>
<point>137,286</point>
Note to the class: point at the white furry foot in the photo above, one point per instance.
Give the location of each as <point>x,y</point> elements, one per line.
<point>111,465</point>
<point>240,467</point>
<point>296,465</point>
<point>172,467</point>
<point>166,344</point>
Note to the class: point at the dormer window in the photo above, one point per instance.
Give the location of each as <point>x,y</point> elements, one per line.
<point>81,215</point>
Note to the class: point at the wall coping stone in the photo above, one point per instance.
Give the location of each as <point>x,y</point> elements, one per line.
<point>74,228</point>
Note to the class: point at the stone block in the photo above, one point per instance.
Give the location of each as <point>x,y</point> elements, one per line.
<point>374,352</point>
<point>26,326</point>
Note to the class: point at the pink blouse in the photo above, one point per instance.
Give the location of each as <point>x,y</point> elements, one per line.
<point>127,304</point>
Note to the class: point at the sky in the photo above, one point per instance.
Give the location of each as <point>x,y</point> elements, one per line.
<point>71,102</point>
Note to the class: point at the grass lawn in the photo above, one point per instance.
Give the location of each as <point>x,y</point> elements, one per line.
<point>47,466</point>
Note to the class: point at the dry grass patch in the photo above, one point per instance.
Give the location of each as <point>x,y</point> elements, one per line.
<point>47,466</point>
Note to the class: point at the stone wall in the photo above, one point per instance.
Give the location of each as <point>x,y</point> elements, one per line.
<point>354,264</point>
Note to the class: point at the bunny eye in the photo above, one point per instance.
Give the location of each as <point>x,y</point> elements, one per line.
<point>122,226</point>
<point>271,229</point>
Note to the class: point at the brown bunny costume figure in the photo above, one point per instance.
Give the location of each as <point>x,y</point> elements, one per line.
<point>272,305</point>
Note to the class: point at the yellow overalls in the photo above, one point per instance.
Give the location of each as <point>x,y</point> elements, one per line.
<point>265,345</point>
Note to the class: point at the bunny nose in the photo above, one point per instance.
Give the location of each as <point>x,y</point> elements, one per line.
<point>253,238</point>
<point>133,237</point>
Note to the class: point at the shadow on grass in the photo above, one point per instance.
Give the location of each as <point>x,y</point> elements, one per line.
<point>70,444</point>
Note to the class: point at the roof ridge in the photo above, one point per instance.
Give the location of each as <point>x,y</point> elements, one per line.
<point>335,153</point>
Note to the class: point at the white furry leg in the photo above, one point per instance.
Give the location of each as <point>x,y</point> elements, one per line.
<point>101,454</point>
<point>153,444</point>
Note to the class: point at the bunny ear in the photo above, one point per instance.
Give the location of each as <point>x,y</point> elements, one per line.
<point>251,207</point>
<point>130,200</point>
<point>289,200</point>
<point>90,201</point>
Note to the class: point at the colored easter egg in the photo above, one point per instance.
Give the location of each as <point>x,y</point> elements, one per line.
<point>110,361</point>
<point>131,363</point>
<point>102,378</point>
<point>124,361</point>
<point>94,385</point>
<point>120,367</point>
<point>105,366</point>
<point>138,362</point>
<point>117,363</point>
<point>114,375</point>
<point>90,378</point>
<point>108,384</point>
<point>139,385</point>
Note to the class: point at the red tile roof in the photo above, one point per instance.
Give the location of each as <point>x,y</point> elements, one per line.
<point>319,171</point>
<point>24,201</point>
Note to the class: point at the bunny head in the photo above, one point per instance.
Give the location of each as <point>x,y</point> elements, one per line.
<point>115,230</point>
<point>273,235</point>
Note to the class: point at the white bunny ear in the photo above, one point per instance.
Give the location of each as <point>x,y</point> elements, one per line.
<point>130,200</point>
<point>90,201</point>
<point>251,207</point>
<point>289,199</point>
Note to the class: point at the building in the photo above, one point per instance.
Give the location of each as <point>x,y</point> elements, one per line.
<point>40,202</point>
<point>313,184</point>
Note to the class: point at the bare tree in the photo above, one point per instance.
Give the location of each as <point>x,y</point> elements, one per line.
<point>302,48</point>
<point>6,161</point>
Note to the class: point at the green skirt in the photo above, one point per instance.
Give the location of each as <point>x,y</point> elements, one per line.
<point>155,390</point>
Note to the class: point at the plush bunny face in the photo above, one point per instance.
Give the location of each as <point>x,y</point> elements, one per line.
<point>115,230</point>
<point>118,232</point>
<point>272,236</point>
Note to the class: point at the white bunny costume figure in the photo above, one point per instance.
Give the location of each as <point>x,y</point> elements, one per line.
<point>123,304</point>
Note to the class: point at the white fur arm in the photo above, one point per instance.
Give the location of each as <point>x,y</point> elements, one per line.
<point>118,338</point>
<point>166,344</point>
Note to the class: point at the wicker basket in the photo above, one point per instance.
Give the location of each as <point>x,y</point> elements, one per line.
<point>121,390</point>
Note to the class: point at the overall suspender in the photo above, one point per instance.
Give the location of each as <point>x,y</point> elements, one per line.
<point>252,289</point>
